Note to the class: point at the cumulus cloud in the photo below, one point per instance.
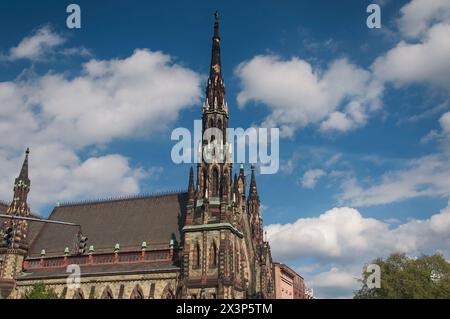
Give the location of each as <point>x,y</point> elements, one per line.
<point>335,283</point>
<point>119,98</point>
<point>57,173</point>
<point>423,62</point>
<point>422,177</point>
<point>311,177</point>
<point>343,240</point>
<point>444,121</point>
<point>342,96</point>
<point>340,234</point>
<point>299,95</point>
<point>35,46</point>
<point>418,15</point>
<point>58,116</point>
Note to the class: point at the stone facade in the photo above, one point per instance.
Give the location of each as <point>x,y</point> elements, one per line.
<point>149,286</point>
<point>206,243</point>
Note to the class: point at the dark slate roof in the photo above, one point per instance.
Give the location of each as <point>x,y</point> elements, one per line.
<point>33,227</point>
<point>138,268</point>
<point>154,219</point>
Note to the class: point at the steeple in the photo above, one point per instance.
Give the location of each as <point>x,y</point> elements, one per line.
<point>215,57</point>
<point>253,190</point>
<point>14,247</point>
<point>19,206</point>
<point>23,176</point>
<point>191,191</point>
<point>215,90</point>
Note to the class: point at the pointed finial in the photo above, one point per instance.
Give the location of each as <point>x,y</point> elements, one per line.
<point>253,190</point>
<point>191,188</point>
<point>216,24</point>
<point>23,175</point>
<point>191,179</point>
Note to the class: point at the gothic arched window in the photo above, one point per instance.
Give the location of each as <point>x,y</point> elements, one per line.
<point>213,256</point>
<point>197,256</point>
<point>219,126</point>
<point>137,293</point>
<point>78,294</point>
<point>107,293</point>
<point>215,182</point>
<point>225,182</point>
<point>211,125</point>
<point>168,292</point>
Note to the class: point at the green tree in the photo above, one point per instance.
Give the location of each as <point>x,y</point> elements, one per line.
<point>403,277</point>
<point>41,291</point>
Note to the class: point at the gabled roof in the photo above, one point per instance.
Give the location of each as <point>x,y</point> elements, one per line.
<point>154,219</point>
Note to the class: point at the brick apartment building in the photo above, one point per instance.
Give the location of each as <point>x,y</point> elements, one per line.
<point>288,284</point>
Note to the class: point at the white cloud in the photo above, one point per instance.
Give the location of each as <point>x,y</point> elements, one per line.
<point>444,121</point>
<point>342,240</point>
<point>57,173</point>
<point>343,234</point>
<point>335,283</point>
<point>340,234</point>
<point>58,116</point>
<point>311,177</point>
<point>418,15</point>
<point>422,177</point>
<point>298,95</point>
<point>35,46</point>
<point>135,96</point>
<point>423,62</point>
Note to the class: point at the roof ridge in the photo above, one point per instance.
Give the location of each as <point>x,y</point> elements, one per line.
<point>121,198</point>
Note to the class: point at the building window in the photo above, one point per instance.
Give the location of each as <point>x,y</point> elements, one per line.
<point>107,293</point>
<point>137,293</point>
<point>215,182</point>
<point>213,256</point>
<point>197,256</point>
<point>219,126</point>
<point>78,294</point>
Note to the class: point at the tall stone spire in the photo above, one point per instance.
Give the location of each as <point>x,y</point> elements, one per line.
<point>215,90</point>
<point>22,185</point>
<point>253,190</point>
<point>191,190</point>
<point>14,249</point>
<point>23,176</point>
<point>215,57</point>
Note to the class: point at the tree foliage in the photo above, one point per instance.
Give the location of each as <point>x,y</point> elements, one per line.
<point>41,291</point>
<point>403,277</point>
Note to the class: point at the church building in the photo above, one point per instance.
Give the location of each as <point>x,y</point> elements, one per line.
<point>207,242</point>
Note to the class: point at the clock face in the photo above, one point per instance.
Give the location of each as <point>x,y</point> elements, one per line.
<point>216,68</point>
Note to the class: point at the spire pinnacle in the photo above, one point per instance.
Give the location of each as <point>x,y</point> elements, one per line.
<point>191,180</point>
<point>253,189</point>
<point>215,58</point>
<point>216,24</point>
<point>215,91</point>
<point>23,175</point>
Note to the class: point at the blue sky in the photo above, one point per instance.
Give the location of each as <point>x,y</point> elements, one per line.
<point>364,148</point>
